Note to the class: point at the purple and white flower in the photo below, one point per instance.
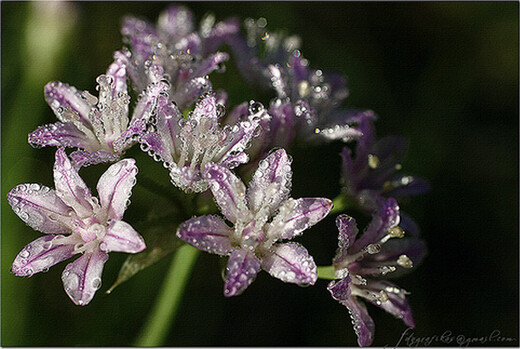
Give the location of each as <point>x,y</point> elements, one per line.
<point>99,127</point>
<point>186,55</point>
<point>187,145</point>
<point>361,262</point>
<point>314,97</point>
<point>76,223</point>
<point>373,171</point>
<point>261,215</point>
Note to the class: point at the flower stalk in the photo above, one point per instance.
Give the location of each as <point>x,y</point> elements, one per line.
<point>162,316</point>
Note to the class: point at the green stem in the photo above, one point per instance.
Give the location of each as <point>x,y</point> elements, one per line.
<point>341,203</point>
<point>163,313</point>
<point>327,273</point>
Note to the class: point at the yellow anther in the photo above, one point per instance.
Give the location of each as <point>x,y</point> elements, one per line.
<point>396,232</point>
<point>404,261</point>
<point>373,161</point>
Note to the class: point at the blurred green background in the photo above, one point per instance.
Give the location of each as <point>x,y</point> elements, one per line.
<point>444,74</point>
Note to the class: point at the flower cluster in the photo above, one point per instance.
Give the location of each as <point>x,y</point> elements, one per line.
<point>181,121</point>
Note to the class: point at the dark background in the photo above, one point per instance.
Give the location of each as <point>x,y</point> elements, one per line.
<point>443,74</point>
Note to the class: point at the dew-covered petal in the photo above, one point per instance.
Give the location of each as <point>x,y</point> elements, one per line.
<point>59,95</point>
<point>385,218</point>
<point>207,233</point>
<point>121,237</point>
<point>345,133</point>
<point>213,62</point>
<point>292,263</point>
<point>59,135</point>
<point>364,326</point>
<point>115,187</point>
<point>140,35</point>
<point>240,137</point>
<point>40,255</point>
<point>153,143</point>
<point>40,208</point>
<point>339,289</point>
<point>271,183</point>
<point>228,191</point>
<point>117,71</point>
<point>298,215</point>
<point>397,305</point>
<point>347,235</point>
<point>80,158</point>
<point>241,271</point>
<point>176,21</point>
<point>70,187</point>
<point>82,278</point>
<point>282,129</point>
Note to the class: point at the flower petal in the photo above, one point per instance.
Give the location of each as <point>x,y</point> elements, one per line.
<point>296,216</point>
<point>397,305</point>
<point>70,187</point>
<point>241,270</point>
<point>80,158</point>
<point>292,263</point>
<point>40,208</point>
<point>176,21</point>
<point>271,183</point>
<point>121,237</point>
<point>59,95</point>
<point>82,278</point>
<point>339,289</point>
<point>385,218</point>
<point>115,186</point>
<point>207,233</point>
<point>213,62</point>
<point>59,135</point>
<point>347,235</point>
<point>364,326</point>
<point>117,71</point>
<point>39,255</point>
<point>140,35</point>
<point>228,191</point>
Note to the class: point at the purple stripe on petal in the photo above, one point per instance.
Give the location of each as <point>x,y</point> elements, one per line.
<point>241,270</point>
<point>82,278</point>
<point>207,233</point>
<point>59,135</point>
<point>271,182</point>
<point>347,235</point>
<point>70,187</point>
<point>59,95</point>
<point>121,237</point>
<point>364,326</point>
<point>39,255</point>
<point>40,208</point>
<point>153,143</point>
<point>228,191</point>
<point>339,289</point>
<point>296,216</point>
<point>117,71</point>
<point>80,158</point>
<point>114,187</point>
<point>292,263</point>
